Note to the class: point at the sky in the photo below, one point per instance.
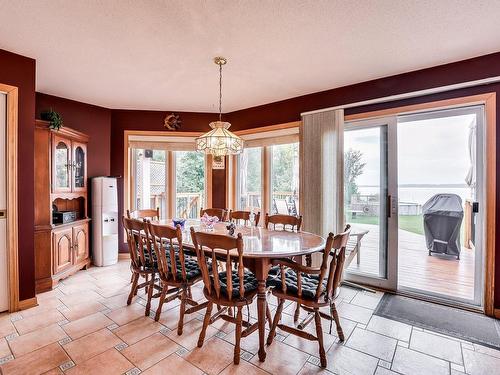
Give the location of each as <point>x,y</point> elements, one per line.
<point>433,151</point>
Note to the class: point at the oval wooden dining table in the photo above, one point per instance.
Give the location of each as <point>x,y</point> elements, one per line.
<point>261,247</point>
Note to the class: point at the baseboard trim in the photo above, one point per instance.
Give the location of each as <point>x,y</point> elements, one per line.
<point>123,256</point>
<point>28,303</point>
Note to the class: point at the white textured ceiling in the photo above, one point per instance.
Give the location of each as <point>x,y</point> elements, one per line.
<point>141,54</point>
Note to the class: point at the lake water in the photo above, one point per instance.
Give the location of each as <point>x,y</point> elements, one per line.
<point>420,194</point>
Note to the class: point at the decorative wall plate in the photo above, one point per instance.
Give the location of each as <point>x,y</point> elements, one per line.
<point>172,122</point>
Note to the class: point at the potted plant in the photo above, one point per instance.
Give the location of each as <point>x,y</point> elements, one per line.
<point>55,119</point>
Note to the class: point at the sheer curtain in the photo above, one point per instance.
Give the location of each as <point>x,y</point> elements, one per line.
<point>322,171</point>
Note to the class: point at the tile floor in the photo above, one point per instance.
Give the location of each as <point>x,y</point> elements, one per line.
<point>85,327</point>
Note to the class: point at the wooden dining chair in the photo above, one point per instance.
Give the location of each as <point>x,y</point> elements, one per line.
<point>144,214</point>
<point>235,287</point>
<point>239,216</point>
<point>312,288</point>
<point>284,222</point>
<point>219,212</point>
<point>141,259</point>
<point>177,270</point>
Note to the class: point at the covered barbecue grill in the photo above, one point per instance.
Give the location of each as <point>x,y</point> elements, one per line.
<point>443,214</point>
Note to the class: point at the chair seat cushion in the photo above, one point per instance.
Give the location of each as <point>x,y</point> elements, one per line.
<point>309,283</point>
<point>249,282</point>
<point>191,264</point>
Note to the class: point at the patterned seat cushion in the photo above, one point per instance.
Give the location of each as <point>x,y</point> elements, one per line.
<point>249,282</point>
<point>309,283</point>
<point>190,263</point>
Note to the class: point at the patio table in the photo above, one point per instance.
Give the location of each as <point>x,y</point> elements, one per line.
<point>261,247</point>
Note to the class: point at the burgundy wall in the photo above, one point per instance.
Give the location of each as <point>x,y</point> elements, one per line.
<point>89,119</point>
<point>463,71</point>
<point>122,120</point>
<point>443,75</point>
<point>19,71</point>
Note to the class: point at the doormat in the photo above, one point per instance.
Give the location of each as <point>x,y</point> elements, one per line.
<point>466,325</point>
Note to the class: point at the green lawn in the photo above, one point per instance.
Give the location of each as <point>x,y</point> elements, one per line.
<point>412,224</point>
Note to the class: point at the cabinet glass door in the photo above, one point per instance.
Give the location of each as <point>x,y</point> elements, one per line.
<point>79,167</point>
<point>62,165</point>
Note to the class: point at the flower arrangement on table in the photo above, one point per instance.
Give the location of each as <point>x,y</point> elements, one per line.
<point>209,221</point>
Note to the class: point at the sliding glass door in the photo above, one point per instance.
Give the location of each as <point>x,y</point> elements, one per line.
<point>369,190</point>
<point>440,189</point>
<point>414,196</point>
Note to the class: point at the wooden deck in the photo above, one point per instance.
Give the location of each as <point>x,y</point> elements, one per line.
<point>438,274</point>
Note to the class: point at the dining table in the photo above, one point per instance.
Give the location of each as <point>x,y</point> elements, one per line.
<point>260,247</point>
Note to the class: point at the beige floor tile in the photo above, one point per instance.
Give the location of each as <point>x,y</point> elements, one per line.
<point>213,357</point>
<point>80,297</point>
<point>356,313</point>
<point>81,310</point>
<point>54,371</point>
<point>110,362</point>
<point>310,369</point>
<point>384,371</point>
<point>158,347</point>
<point>91,345</point>
<point>38,321</point>
<point>6,326</point>
<point>344,360</point>
<point>282,359</point>
<point>409,362</point>
<point>366,299</point>
<point>4,348</point>
<point>391,328</point>
<point>74,288</point>
<point>118,301</point>
<point>478,363</point>
<point>173,364</point>
<point>126,314</point>
<point>372,343</point>
<point>436,346</point>
<point>36,362</point>
<point>250,343</point>
<point>170,317</point>
<point>244,368</point>
<point>43,306</point>
<point>137,329</point>
<point>35,340</point>
<point>86,325</point>
<point>190,334</point>
<point>486,350</point>
<point>311,347</point>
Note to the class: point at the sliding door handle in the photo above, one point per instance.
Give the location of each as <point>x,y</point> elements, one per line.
<point>389,205</point>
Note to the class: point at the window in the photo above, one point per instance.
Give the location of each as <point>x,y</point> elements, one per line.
<point>150,172</point>
<point>267,175</point>
<point>173,179</point>
<point>285,179</point>
<point>250,179</point>
<point>189,183</point>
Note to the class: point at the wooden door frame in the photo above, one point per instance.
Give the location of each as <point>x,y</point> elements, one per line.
<point>489,102</point>
<point>12,207</point>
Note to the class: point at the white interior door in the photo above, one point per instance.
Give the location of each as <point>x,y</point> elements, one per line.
<point>4,286</point>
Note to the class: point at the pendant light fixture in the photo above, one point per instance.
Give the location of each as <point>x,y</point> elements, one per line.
<point>219,141</point>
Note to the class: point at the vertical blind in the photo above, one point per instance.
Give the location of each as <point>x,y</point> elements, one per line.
<point>322,171</point>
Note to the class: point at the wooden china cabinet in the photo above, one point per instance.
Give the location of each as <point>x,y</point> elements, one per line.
<point>61,246</point>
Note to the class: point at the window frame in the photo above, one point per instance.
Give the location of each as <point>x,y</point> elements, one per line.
<point>170,143</point>
<point>264,137</point>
